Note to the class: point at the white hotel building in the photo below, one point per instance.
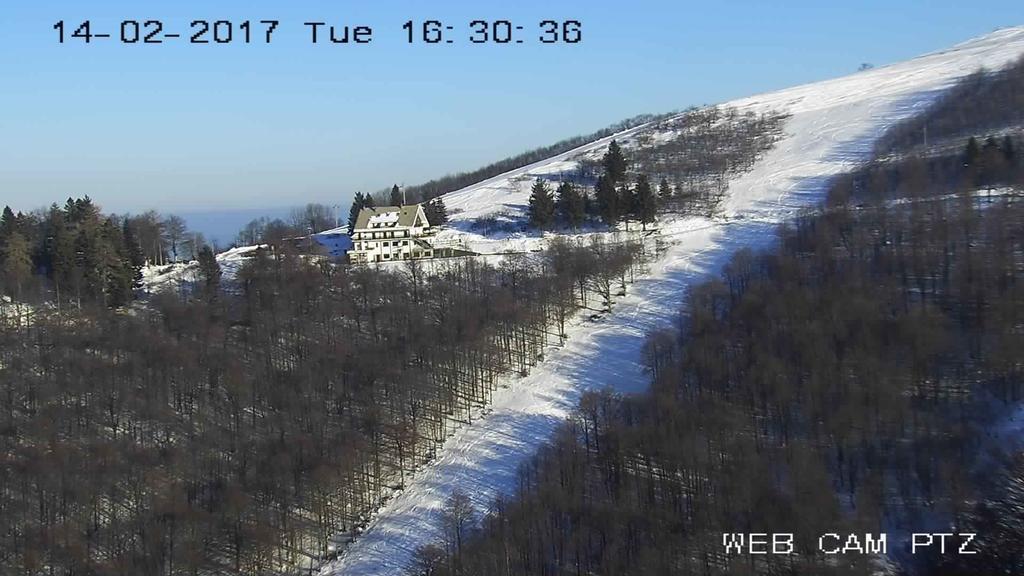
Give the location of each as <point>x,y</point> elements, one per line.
<point>390,233</point>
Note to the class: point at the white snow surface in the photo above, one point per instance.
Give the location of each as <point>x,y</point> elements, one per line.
<point>833,127</point>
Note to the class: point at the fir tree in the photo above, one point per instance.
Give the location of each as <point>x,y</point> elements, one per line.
<point>437,213</point>
<point>542,206</point>
<point>210,271</point>
<point>136,256</point>
<point>606,200</point>
<point>628,208</point>
<point>396,196</point>
<point>646,201</point>
<point>614,163</point>
<point>115,260</point>
<point>53,253</point>
<point>664,190</point>
<point>571,205</point>
<point>90,260</point>
<point>8,223</point>
<point>15,263</point>
<point>358,203</point>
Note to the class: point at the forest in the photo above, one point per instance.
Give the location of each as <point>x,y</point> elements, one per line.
<point>250,425</point>
<point>75,255</point>
<point>240,431</point>
<point>679,165</point>
<point>847,380</point>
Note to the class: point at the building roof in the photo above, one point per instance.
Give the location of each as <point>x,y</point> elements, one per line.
<point>390,216</point>
<point>334,231</point>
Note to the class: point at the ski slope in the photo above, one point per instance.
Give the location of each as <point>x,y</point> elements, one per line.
<point>833,126</point>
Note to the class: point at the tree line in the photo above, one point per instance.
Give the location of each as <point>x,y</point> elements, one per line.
<point>615,200</point>
<point>983,102</point>
<point>453,182</point>
<point>706,148</point>
<point>75,255</point>
<point>302,222</point>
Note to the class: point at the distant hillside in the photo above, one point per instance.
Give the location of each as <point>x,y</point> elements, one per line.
<point>453,182</point>
<point>986,101</point>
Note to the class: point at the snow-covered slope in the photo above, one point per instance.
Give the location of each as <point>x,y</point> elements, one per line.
<point>833,126</point>
<point>156,279</point>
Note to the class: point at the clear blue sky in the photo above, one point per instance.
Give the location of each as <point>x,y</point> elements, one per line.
<point>181,127</point>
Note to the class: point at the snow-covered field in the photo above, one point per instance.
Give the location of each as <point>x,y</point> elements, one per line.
<point>833,126</point>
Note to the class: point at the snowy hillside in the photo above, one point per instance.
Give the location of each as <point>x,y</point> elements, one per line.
<point>159,278</point>
<point>510,192</point>
<point>832,127</point>
<point>156,279</point>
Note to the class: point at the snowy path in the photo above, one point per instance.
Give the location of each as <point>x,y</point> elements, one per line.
<point>833,127</point>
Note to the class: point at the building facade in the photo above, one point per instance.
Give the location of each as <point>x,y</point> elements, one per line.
<point>391,233</point>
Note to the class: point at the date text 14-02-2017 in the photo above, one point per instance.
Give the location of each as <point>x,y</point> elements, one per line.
<point>500,32</point>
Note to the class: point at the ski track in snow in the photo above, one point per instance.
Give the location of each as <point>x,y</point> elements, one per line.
<point>833,127</point>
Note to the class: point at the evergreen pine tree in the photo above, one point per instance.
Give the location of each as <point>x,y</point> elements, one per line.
<point>646,201</point>
<point>437,213</point>
<point>664,190</point>
<point>607,200</point>
<point>571,204</point>
<point>15,263</point>
<point>542,206</point>
<point>91,261</point>
<point>58,250</point>
<point>210,271</point>
<point>628,208</point>
<point>136,256</point>
<point>118,270</point>
<point>358,203</point>
<point>368,201</point>
<point>614,163</point>
<point>8,223</point>
<point>396,196</point>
